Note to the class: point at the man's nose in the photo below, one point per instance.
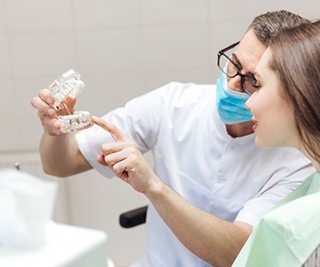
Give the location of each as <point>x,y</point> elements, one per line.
<point>234,84</point>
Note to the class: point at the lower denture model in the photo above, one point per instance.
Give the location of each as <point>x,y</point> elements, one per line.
<point>69,84</point>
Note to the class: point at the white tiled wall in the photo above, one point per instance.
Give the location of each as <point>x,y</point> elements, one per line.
<point>96,14</point>
<point>172,12</point>
<point>109,50</point>
<point>122,48</point>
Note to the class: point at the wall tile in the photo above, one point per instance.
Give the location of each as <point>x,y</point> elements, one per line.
<point>110,50</point>
<point>38,14</point>
<point>229,10</point>
<point>173,11</point>
<point>36,54</point>
<point>9,126</point>
<point>5,63</point>
<point>30,129</point>
<point>234,10</point>
<point>3,17</point>
<point>176,46</point>
<point>97,13</point>
<point>308,8</point>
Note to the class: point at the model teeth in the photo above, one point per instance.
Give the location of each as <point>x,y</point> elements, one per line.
<point>66,84</point>
<point>75,122</point>
<point>69,84</point>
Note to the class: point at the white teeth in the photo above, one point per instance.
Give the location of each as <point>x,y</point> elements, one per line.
<point>66,84</point>
<point>72,123</point>
<point>69,84</point>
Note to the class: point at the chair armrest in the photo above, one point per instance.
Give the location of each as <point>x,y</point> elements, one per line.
<point>133,217</point>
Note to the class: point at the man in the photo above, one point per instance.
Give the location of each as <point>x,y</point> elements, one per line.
<point>215,182</point>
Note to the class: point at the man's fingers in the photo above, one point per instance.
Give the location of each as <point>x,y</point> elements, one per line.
<point>116,157</point>
<point>51,126</point>
<point>117,168</point>
<point>42,106</point>
<point>46,96</point>
<point>109,148</point>
<point>100,159</point>
<point>120,170</point>
<point>112,129</point>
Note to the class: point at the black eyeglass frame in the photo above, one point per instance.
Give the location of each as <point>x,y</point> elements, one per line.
<point>242,76</point>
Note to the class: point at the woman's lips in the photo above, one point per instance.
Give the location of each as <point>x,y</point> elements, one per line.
<point>255,124</point>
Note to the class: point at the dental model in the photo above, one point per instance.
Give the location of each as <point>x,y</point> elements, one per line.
<point>66,84</point>
<point>75,122</point>
<point>69,84</point>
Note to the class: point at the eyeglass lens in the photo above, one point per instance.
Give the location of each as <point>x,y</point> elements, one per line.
<point>227,66</point>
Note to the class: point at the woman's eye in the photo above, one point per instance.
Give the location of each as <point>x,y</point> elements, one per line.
<point>255,83</point>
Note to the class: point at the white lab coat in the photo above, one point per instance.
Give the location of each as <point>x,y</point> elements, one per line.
<point>228,177</point>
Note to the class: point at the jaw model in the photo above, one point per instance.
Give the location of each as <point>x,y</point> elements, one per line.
<point>69,84</point>
<point>75,122</point>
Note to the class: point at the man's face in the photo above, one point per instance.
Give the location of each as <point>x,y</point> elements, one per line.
<point>246,56</point>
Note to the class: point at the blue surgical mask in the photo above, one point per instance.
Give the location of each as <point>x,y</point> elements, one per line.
<point>231,104</point>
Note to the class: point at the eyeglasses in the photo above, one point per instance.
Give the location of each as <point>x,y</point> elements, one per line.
<point>231,69</point>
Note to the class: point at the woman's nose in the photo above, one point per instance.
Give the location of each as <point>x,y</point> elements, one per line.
<point>249,102</point>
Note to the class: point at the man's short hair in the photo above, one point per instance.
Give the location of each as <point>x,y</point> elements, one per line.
<point>267,25</point>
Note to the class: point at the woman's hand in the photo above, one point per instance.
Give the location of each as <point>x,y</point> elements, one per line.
<point>125,160</point>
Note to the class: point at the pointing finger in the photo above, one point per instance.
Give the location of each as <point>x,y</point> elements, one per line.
<point>112,129</point>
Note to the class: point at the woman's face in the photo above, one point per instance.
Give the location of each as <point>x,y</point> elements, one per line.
<point>272,115</point>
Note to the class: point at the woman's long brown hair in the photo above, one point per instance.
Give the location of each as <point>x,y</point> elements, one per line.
<point>296,60</point>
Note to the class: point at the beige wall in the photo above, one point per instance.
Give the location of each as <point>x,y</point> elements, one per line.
<point>122,48</point>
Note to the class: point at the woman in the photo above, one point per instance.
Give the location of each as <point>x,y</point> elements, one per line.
<point>286,112</point>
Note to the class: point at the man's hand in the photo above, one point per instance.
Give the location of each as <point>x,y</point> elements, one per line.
<point>47,114</point>
<point>125,160</point>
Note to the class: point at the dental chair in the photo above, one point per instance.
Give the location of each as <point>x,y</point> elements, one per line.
<point>133,218</point>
